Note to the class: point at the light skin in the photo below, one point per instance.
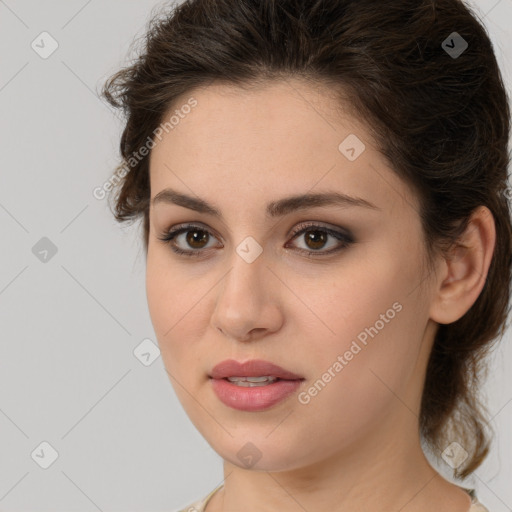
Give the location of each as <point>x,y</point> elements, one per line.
<point>354,446</point>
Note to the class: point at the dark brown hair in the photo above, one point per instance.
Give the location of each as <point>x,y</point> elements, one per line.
<point>442,121</point>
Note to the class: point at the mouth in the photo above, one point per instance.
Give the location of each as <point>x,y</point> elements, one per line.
<point>255,371</point>
<point>253,382</point>
<point>244,395</point>
<point>254,385</point>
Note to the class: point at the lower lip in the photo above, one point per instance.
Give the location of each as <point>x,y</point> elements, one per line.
<point>256,398</point>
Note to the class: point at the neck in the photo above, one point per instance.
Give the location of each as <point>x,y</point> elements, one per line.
<point>389,473</point>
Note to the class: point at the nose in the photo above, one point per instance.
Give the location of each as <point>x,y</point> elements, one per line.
<point>247,303</point>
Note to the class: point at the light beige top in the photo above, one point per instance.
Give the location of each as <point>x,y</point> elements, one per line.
<point>200,505</point>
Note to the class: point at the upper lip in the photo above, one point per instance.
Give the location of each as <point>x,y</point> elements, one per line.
<point>252,368</point>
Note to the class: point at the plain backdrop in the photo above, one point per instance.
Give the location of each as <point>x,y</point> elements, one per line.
<point>86,422</point>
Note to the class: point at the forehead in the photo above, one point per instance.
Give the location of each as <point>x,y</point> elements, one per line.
<point>263,112</point>
<point>280,139</point>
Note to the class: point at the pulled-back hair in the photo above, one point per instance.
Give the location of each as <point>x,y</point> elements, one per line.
<point>442,120</point>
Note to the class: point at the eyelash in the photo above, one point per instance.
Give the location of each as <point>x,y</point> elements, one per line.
<point>345,239</point>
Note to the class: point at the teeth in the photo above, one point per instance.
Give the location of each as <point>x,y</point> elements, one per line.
<point>252,381</point>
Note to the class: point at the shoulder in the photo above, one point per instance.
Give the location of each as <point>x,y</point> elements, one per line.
<point>200,505</point>
<point>476,506</point>
<point>197,506</point>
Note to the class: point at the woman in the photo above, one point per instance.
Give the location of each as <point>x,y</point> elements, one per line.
<point>323,185</point>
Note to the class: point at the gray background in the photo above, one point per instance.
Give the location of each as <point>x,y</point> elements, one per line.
<point>68,373</point>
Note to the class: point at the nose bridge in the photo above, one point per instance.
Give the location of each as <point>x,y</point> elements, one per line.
<point>243,302</point>
<point>247,269</point>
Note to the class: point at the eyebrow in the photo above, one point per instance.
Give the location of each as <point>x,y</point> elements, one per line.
<point>277,208</point>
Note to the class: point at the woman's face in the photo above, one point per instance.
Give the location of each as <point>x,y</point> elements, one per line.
<point>352,319</point>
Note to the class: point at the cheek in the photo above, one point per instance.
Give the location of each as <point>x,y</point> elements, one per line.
<point>176,306</point>
<point>352,383</point>
<point>158,289</point>
<point>372,328</point>
<point>167,290</point>
<point>166,297</point>
<point>173,317</point>
<point>354,296</point>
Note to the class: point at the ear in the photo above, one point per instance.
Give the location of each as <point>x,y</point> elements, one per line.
<point>465,269</point>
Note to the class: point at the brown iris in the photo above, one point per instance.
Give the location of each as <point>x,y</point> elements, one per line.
<point>192,238</point>
<point>317,238</point>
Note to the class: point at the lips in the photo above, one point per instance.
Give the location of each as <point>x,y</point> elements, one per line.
<point>252,368</point>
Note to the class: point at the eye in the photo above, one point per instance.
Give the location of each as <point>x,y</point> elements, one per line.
<point>316,239</point>
<point>317,236</point>
<point>196,236</point>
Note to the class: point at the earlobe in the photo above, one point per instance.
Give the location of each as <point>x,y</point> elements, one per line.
<point>467,266</point>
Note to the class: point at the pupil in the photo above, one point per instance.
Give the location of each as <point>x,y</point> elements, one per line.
<point>191,239</point>
<point>311,238</point>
